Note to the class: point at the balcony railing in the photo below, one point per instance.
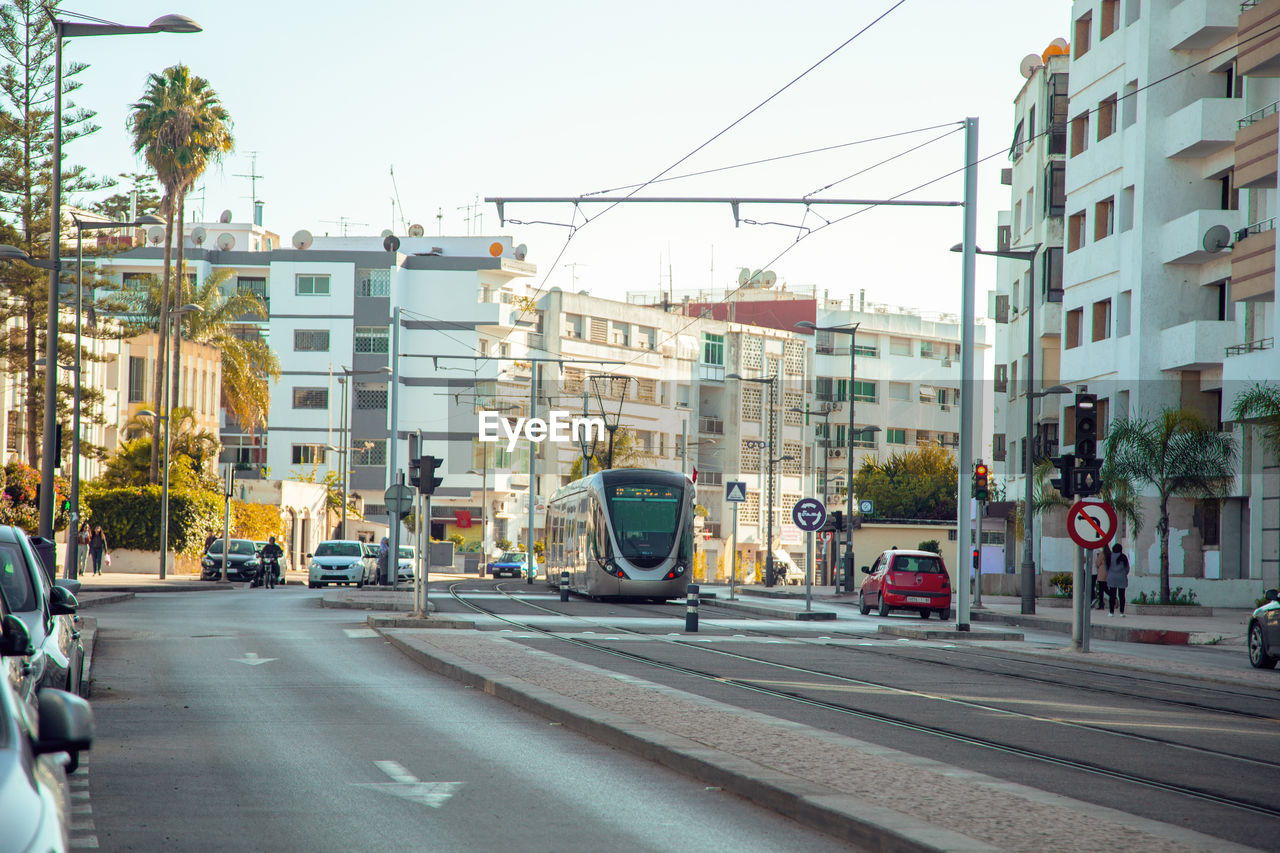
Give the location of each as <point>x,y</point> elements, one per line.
<point>714,426</point>
<point>1251,346</point>
<point>1258,115</point>
<point>1256,228</point>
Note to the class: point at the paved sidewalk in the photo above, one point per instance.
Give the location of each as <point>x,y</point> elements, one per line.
<point>874,797</point>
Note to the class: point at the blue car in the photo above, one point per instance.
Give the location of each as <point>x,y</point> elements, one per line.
<point>513,563</point>
<point>1264,633</point>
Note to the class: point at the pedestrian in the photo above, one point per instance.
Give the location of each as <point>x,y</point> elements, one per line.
<point>82,548</point>
<point>97,548</point>
<point>1099,584</point>
<point>384,549</point>
<point>209,540</point>
<point>1117,578</point>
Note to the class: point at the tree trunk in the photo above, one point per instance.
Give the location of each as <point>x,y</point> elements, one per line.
<point>1162,528</point>
<point>159,385</point>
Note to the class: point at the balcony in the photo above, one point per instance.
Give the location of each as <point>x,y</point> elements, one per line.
<point>1198,345</point>
<point>1256,149</point>
<point>1182,240</point>
<point>1253,264</point>
<point>1202,128</point>
<point>712,426</point>
<point>1258,34</point>
<point>1198,24</point>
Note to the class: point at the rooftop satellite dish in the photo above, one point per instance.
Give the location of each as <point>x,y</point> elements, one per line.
<point>303,239</point>
<point>769,278</point>
<point>1029,64</point>
<point>386,232</point>
<point>521,251</point>
<point>584,292</point>
<point>197,235</point>
<point>1217,238</point>
<point>226,242</point>
<point>416,230</point>
<point>390,242</point>
<point>1060,43</point>
<point>744,275</point>
<point>155,235</point>
<point>225,216</point>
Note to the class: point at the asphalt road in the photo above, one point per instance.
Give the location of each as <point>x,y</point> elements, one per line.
<point>255,720</point>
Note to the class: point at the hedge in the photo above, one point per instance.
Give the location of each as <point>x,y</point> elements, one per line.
<point>254,521</point>
<point>130,517</point>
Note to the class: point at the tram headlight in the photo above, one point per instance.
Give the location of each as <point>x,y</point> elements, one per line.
<point>676,572</point>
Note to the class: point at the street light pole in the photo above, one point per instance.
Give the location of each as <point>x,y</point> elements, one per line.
<point>342,468</point>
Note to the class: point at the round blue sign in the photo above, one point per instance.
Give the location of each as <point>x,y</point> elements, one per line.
<point>809,514</point>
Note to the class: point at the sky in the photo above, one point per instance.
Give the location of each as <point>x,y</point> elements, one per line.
<point>568,97</point>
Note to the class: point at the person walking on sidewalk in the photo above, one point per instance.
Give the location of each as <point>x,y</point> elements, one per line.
<point>97,548</point>
<point>1099,586</point>
<point>82,548</point>
<point>1117,578</point>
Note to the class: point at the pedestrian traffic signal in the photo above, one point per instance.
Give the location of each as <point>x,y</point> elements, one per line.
<point>429,482</point>
<point>981,490</point>
<point>1086,478</point>
<point>1066,464</point>
<point>977,558</point>
<point>1086,426</point>
<point>415,472</point>
<point>837,520</point>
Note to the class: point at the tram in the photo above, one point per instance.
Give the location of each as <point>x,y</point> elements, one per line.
<point>622,533</point>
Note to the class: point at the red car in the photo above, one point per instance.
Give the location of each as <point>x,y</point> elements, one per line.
<point>906,580</point>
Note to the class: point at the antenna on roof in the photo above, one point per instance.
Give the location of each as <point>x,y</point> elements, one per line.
<point>404,224</point>
<point>253,177</point>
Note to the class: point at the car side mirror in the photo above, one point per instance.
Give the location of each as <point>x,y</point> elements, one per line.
<point>15,639</point>
<point>866,570</point>
<point>69,584</point>
<point>1271,594</point>
<point>62,602</point>
<point>308,556</point>
<point>66,723</point>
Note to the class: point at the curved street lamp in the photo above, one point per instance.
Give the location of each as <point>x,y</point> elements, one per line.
<point>611,426</point>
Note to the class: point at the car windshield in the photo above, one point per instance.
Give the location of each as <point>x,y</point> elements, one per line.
<point>370,550</point>
<point>406,553</point>
<point>645,520</point>
<point>338,549</point>
<point>238,546</point>
<point>909,563</point>
<point>15,580</point>
<point>512,557</point>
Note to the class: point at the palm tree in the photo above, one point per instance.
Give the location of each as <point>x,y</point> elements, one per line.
<point>1261,405</point>
<point>179,126</point>
<point>1176,453</point>
<point>192,447</point>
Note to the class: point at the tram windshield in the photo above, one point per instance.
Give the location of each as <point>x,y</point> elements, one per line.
<point>646,520</point>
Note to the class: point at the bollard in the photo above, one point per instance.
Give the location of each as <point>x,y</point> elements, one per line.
<point>691,611</point>
<point>564,586</point>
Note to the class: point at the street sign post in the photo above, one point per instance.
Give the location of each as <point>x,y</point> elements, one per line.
<point>399,500</point>
<point>1091,524</point>
<point>735,492</point>
<point>866,507</point>
<point>809,514</point>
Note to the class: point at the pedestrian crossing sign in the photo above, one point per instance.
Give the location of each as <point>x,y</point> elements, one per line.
<point>735,491</point>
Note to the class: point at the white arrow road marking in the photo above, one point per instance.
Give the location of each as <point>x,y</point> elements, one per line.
<point>407,786</point>
<point>252,659</point>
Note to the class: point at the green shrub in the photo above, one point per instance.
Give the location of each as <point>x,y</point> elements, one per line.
<point>930,545</point>
<point>130,517</point>
<point>1176,596</point>
<point>1063,581</point>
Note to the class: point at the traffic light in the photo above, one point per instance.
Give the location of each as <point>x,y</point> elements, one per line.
<point>977,558</point>
<point>1086,478</point>
<point>1086,427</point>
<point>415,472</point>
<point>429,482</point>
<point>981,489</point>
<point>57,445</point>
<point>1066,464</point>
<point>837,520</point>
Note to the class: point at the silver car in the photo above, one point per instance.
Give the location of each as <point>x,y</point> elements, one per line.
<point>46,608</point>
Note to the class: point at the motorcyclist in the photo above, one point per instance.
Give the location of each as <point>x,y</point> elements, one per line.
<point>271,554</point>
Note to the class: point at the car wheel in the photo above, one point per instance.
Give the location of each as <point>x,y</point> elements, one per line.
<point>944,615</point>
<point>883,609</point>
<point>863,607</point>
<point>1257,653</point>
<point>360,584</point>
<point>924,614</point>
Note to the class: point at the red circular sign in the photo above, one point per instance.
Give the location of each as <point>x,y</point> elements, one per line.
<point>1091,524</point>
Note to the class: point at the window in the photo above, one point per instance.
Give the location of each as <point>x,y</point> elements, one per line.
<point>1234,81</point>
<point>369,452</point>
<point>1017,218</point>
<point>895,435</point>
<point>1074,316</point>
<point>1055,188</point>
<point>823,389</point>
<point>1229,197</point>
<point>1058,105</point>
<point>372,339</point>
<point>311,398</point>
<point>1051,274</point>
<point>620,334</point>
<point>1084,27</point>
<point>373,282</point>
<point>1132,10</point>
<point>1129,108</point>
<point>308,454</point>
<point>1106,117</point>
<point>1075,232</point>
<point>574,326</point>
<point>1029,207</point>
<point>1207,517</point>
<point>1015,149</point>
<point>997,447</point>
<point>137,379</point>
<point>648,338</point>
<point>712,349</point>
<point>1123,308</point>
<point>1102,320</point>
<point>1080,134</point>
<point>864,391</point>
<point>866,351</point>
<point>899,346</point>
<point>256,286</point>
<point>1126,209</point>
<point>310,340</point>
<point>1108,18</point>
<point>899,391</point>
<point>1104,218</point>
<point>1002,378</point>
<point>312,285</point>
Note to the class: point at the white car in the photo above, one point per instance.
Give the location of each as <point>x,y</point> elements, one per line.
<point>404,567</point>
<point>337,561</point>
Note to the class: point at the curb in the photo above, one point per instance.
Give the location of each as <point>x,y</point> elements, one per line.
<point>948,633</point>
<point>343,604</point>
<point>765,610</point>
<point>88,637</point>
<point>1154,636</point>
<point>104,598</point>
<point>814,805</point>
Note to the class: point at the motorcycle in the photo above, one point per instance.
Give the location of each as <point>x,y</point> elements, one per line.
<point>269,572</point>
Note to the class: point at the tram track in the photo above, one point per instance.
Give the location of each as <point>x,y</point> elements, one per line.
<point>1036,755</point>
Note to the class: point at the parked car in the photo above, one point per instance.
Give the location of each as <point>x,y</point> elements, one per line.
<point>46,608</point>
<point>404,566</point>
<point>283,560</point>
<point>336,561</point>
<point>514,563</point>
<point>1264,633</point>
<point>37,733</point>
<point>906,580</point>
<point>243,563</point>
<point>370,558</point>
